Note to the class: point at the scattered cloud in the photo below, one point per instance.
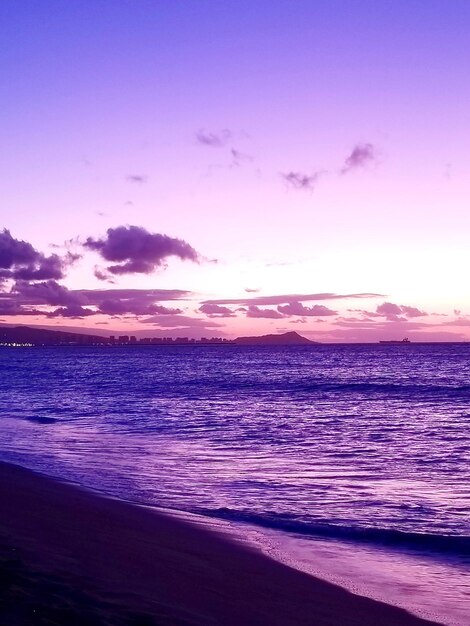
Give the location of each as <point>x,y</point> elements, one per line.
<point>297,308</point>
<point>95,296</point>
<point>135,250</point>
<point>460,321</point>
<point>397,312</point>
<point>300,181</point>
<point>361,155</point>
<point>20,260</point>
<point>213,139</point>
<point>181,321</point>
<point>256,312</point>
<point>134,306</point>
<point>48,292</point>
<point>11,308</point>
<point>239,157</point>
<point>139,179</point>
<point>411,311</point>
<point>37,298</point>
<point>287,298</point>
<point>215,310</point>
<point>101,274</point>
<point>74,311</point>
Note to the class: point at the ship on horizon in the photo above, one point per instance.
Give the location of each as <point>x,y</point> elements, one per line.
<point>396,341</point>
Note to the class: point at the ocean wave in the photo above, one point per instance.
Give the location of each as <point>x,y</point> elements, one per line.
<point>458,545</point>
<point>324,386</point>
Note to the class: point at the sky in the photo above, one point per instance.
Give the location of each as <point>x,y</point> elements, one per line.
<point>203,168</point>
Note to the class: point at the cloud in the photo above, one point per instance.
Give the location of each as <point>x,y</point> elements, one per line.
<point>24,298</point>
<point>74,311</point>
<point>137,251</point>
<point>361,155</point>
<point>215,310</point>
<point>248,290</point>
<point>285,299</point>
<point>135,306</point>
<point>256,312</point>
<point>393,311</point>
<point>411,311</point>
<point>20,260</point>
<point>101,274</point>
<point>297,308</point>
<point>138,179</point>
<point>379,331</point>
<point>49,292</point>
<point>11,308</point>
<point>301,181</point>
<point>460,321</point>
<point>389,310</point>
<point>214,140</point>
<point>95,296</point>
<point>139,302</point>
<point>181,321</point>
<point>239,157</point>
<point>25,294</point>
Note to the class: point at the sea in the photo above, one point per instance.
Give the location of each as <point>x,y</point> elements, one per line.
<point>351,462</point>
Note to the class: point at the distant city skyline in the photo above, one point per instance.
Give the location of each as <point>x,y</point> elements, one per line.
<point>230,169</point>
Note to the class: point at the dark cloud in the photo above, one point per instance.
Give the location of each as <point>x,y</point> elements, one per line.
<point>11,308</point>
<point>214,140</point>
<point>256,312</point>
<point>24,297</point>
<point>139,302</point>
<point>215,310</point>
<point>20,260</point>
<point>287,298</point>
<point>297,308</point>
<point>361,155</point>
<point>301,181</point>
<point>49,292</point>
<point>137,251</point>
<point>139,179</point>
<point>74,311</point>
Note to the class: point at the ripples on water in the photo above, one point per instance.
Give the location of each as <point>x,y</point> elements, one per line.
<point>369,443</point>
<point>351,436</point>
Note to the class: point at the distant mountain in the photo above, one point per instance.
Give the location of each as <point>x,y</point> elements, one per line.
<point>43,337</point>
<point>283,339</point>
<point>38,336</point>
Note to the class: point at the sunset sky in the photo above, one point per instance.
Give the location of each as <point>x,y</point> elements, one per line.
<point>210,168</point>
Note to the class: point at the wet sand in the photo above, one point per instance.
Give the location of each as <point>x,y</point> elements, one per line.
<point>70,556</point>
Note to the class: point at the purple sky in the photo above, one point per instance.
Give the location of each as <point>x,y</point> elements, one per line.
<point>237,168</point>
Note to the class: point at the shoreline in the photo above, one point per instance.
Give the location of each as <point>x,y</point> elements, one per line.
<point>130,564</point>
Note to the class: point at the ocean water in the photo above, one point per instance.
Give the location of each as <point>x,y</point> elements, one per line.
<point>360,446</point>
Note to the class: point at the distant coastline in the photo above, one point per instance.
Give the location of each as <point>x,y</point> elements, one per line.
<point>28,336</point>
<point>33,337</point>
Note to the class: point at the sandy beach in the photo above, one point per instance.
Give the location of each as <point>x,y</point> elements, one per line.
<point>69,556</point>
